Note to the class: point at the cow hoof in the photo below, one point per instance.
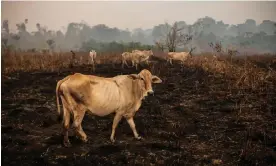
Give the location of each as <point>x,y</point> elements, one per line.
<point>139,138</point>
<point>85,140</point>
<point>112,140</point>
<point>67,144</point>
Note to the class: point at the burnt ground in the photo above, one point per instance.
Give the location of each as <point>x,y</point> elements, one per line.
<point>194,118</point>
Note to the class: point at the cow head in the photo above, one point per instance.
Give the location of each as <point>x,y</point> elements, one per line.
<point>149,52</point>
<point>146,79</point>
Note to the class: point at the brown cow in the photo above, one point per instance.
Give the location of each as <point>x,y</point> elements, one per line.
<point>143,55</point>
<point>101,96</point>
<point>136,57</point>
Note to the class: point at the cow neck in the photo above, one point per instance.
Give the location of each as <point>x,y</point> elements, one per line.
<point>138,89</point>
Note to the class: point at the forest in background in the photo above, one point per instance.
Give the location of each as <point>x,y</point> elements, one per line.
<point>248,37</point>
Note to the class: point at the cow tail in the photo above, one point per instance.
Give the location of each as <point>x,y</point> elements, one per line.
<point>57,96</point>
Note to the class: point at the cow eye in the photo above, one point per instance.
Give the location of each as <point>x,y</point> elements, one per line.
<point>142,78</point>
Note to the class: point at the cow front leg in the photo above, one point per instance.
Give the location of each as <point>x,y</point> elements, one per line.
<point>131,123</point>
<point>116,120</point>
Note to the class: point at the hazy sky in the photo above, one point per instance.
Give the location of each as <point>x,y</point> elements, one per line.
<point>127,14</point>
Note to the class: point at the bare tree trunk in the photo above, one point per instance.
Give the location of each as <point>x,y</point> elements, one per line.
<point>171,49</point>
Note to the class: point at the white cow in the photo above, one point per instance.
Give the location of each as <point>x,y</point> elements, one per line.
<point>179,56</point>
<point>93,55</point>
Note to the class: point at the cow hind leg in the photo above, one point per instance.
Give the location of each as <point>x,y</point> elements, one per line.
<point>78,117</point>
<point>66,124</point>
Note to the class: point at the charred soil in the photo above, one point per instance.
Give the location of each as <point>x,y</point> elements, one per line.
<point>194,118</point>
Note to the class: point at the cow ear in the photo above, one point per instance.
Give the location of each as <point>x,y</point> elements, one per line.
<point>134,76</point>
<point>156,79</point>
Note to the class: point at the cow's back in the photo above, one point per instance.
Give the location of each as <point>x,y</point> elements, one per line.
<point>100,95</point>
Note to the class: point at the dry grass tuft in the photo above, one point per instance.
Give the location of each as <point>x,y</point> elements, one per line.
<point>244,71</point>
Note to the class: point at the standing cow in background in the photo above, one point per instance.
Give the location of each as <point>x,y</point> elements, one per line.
<point>179,56</point>
<point>144,55</point>
<point>92,57</point>
<point>136,57</point>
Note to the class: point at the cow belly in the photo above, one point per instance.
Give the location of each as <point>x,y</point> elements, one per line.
<point>101,111</point>
<point>102,108</point>
<point>105,101</point>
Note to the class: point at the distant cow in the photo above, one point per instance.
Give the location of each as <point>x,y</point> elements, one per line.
<point>93,55</point>
<point>136,57</point>
<point>145,55</point>
<point>101,96</point>
<point>179,56</point>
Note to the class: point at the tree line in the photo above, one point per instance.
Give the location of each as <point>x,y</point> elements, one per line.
<point>171,37</point>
